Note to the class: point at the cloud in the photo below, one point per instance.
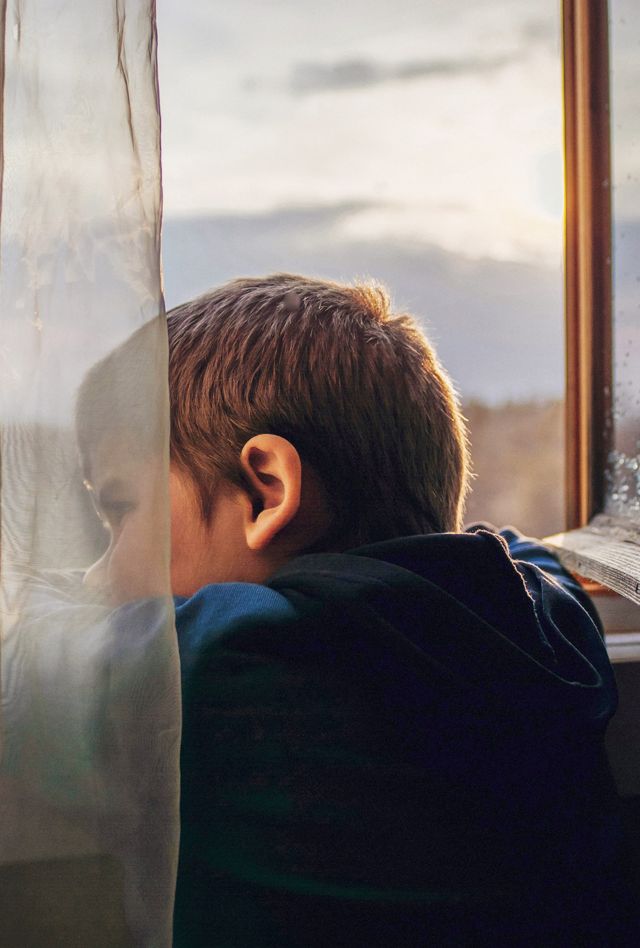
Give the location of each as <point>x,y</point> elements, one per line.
<point>545,32</point>
<point>497,324</point>
<point>308,77</point>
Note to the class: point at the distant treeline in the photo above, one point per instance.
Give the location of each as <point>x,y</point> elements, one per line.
<point>517,450</point>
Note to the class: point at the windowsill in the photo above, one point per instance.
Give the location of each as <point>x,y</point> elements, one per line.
<point>621,621</point>
<point>605,556</point>
<point>623,647</point>
<point>607,551</point>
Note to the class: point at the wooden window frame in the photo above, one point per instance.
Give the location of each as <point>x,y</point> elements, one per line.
<point>588,267</point>
<point>593,545</point>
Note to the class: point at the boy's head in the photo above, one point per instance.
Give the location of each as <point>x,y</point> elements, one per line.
<point>305,416</point>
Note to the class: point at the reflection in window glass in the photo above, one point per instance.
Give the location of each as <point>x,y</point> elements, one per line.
<point>623,474</point>
<point>420,144</point>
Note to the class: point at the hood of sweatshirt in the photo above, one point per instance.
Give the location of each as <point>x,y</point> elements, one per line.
<point>457,611</point>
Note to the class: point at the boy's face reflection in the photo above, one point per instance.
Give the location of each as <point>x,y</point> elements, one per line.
<point>129,493</point>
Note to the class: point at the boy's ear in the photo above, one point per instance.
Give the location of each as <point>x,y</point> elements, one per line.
<point>273,469</point>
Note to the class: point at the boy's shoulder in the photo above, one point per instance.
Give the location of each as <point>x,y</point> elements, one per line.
<point>218,610</point>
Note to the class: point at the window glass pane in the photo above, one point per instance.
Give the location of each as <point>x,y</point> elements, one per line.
<point>623,473</point>
<point>416,143</point>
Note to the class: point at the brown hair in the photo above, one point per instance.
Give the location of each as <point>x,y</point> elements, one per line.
<point>356,389</point>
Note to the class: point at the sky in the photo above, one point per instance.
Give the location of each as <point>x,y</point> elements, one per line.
<point>441,121</point>
<point>418,143</point>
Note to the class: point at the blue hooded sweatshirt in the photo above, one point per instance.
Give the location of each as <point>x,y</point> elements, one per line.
<point>401,745</point>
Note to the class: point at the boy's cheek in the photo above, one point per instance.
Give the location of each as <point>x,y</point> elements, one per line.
<point>181,555</point>
<point>134,566</point>
<point>189,541</point>
<point>96,577</point>
<point>139,565</point>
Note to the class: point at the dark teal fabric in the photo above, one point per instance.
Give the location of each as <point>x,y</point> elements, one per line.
<point>399,745</point>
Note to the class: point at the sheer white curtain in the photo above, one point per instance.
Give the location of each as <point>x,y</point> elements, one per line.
<point>90,711</point>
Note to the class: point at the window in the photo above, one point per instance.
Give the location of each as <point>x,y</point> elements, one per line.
<point>420,144</point>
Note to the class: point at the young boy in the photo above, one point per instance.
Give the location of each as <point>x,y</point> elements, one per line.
<point>392,729</point>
